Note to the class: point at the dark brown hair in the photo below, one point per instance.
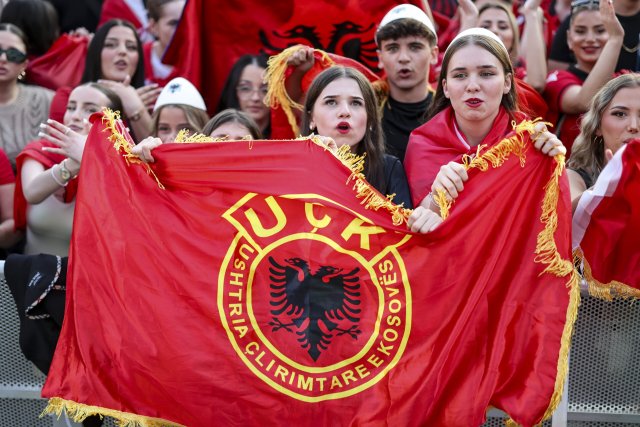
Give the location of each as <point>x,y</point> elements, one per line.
<point>373,143</point>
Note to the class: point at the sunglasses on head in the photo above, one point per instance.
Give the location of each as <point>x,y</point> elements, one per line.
<point>585,4</point>
<point>14,55</point>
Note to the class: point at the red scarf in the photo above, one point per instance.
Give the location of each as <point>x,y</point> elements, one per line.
<point>34,151</point>
<point>436,143</point>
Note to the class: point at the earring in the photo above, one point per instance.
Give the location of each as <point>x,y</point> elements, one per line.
<point>598,142</point>
<point>22,75</point>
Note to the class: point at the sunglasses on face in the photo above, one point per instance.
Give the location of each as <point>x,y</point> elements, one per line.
<point>14,55</point>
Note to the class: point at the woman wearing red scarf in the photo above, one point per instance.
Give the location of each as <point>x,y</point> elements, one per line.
<point>474,104</point>
<point>44,198</point>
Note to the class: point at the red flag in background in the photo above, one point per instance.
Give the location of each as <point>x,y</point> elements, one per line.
<point>258,289</point>
<point>62,65</point>
<point>213,34</point>
<point>606,226</point>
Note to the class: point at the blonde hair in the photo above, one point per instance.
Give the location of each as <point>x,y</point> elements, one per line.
<point>515,45</point>
<point>588,149</point>
<point>196,117</point>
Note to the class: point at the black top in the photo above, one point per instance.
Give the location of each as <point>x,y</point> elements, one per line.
<point>626,61</point>
<point>586,177</point>
<point>396,181</point>
<point>399,119</point>
<point>73,14</point>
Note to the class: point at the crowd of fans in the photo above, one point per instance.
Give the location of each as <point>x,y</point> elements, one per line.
<point>455,76</point>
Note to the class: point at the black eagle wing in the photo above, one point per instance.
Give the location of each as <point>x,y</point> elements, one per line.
<point>340,294</point>
<point>287,291</point>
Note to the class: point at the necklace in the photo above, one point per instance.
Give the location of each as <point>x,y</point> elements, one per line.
<point>631,49</point>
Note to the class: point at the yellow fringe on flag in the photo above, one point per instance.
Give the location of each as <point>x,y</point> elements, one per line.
<point>547,253</point>
<point>371,199</point>
<point>604,291</point>
<point>495,156</point>
<point>275,78</point>
<point>78,412</point>
<point>546,248</point>
<point>113,123</point>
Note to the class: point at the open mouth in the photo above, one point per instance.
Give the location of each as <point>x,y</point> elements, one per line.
<point>121,64</point>
<point>343,127</point>
<point>404,73</point>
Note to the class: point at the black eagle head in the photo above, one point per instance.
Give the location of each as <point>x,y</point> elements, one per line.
<point>300,265</point>
<point>326,272</point>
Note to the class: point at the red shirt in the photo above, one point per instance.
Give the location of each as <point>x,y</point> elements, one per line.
<point>567,126</point>
<point>6,171</point>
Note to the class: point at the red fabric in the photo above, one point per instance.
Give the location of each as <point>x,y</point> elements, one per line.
<point>149,77</point>
<point>204,53</point>
<point>6,171</point>
<point>280,127</point>
<point>531,102</point>
<point>436,143</point>
<point>187,329</point>
<point>118,9</point>
<point>610,241</point>
<point>59,103</point>
<point>34,151</point>
<point>61,65</point>
<point>557,82</point>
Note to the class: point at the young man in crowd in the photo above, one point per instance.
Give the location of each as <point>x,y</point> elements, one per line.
<point>407,48</point>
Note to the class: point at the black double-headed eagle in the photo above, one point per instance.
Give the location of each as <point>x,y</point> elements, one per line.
<point>315,302</point>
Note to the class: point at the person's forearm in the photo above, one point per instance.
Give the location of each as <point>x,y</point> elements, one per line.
<point>601,73</point>
<point>9,237</point>
<point>534,50</point>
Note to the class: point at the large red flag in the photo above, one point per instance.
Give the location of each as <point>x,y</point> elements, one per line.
<point>213,34</point>
<point>268,284</point>
<point>606,225</point>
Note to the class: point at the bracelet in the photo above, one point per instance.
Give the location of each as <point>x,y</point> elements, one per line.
<point>55,178</point>
<point>136,116</point>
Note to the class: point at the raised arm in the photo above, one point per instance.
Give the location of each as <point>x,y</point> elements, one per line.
<point>576,98</point>
<point>533,46</point>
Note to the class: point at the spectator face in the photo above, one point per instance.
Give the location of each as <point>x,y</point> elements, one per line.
<point>83,102</point>
<point>621,119</point>
<point>164,27</point>
<point>232,131</point>
<point>406,62</point>
<point>13,60</point>
<point>497,21</point>
<point>586,37</point>
<point>340,113</point>
<point>119,55</point>
<point>171,121</point>
<point>475,84</point>
<point>251,92</point>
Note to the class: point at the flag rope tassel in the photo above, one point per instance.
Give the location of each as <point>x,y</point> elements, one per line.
<point>604,291</point>
<point>121,144</point>
<point>496,155</point>
<point>546,248</point>
<point>275,77</point>
<point>78,412</point>
<point>371,198</point>
<point>547,253</point>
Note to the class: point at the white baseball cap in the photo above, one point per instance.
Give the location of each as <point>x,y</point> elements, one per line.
<point>408,11</point>
<point>478,31</point>
<point>180,91</point>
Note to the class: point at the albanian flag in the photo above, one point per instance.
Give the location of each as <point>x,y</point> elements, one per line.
<point>606,225</point>
<point>213,34</point>
<point>266,283</point>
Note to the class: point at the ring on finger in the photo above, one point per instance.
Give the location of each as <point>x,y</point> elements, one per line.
<point>67,130</point>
